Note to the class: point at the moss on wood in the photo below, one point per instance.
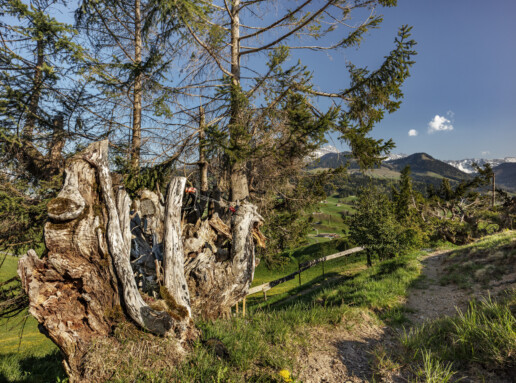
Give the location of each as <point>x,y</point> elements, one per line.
<point>59,205</point>
<point>176,310</point>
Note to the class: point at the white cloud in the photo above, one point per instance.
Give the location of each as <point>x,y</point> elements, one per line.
<point>450,114</point>
<point>412,132</point>
<point>439,124</point>
<point>486,152</point>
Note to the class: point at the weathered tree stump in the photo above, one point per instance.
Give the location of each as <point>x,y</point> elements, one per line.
<point>104,250</point>
<point>73,289</point>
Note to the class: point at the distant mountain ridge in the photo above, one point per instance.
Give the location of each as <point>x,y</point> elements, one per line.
<point>318,153</point>
<point>505,175</point>
<point>425,164</point>
<point>465,165</point>
<point>420,163</point>
<point>332,161</point>
<point>425,167</point>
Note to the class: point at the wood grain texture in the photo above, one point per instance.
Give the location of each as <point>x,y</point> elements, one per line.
<point>173,255</point>
<point>72,289</point>
<point>158,322</point>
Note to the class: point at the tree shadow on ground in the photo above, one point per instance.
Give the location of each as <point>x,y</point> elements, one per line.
<point>33,369</point>
<point>305,293</point>
<point>355,356</point>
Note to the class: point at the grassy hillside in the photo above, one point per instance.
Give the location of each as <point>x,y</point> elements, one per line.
<point>277,335</point>
<point>272,339</point>
<point>478,342</point>
<point>330,217</point>
<point>310,278</point>
<point>259,346</point>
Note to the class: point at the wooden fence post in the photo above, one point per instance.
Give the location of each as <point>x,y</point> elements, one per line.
<point>323,268</point>
<point>243,307</point>
<point>299,267</point>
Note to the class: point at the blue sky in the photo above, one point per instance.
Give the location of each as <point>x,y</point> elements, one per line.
<point>465,74</point>
<point>463,83</point>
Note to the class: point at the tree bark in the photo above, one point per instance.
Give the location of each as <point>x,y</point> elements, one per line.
<point>138,80</point>
<point>203,164</point>
<point>238,177</point>
<point>217,280</point>
<point>173,255</point>
<point>73,291</point>
<point>123,206</point>
<point>493,191</point>
<point>158,322</point>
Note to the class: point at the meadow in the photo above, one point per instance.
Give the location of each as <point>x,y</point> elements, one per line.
<point>275,334</point>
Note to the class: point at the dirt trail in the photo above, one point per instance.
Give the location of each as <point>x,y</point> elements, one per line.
<point>430,300</point>
<point>342,356</point>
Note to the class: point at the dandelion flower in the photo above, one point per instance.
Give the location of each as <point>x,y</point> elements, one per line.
<point>285,375</point>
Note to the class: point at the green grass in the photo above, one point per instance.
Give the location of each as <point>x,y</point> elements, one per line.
<point>488,243</point>
<point>341,266</point>
<point>26,355</point>
<point>479,341</point>
<point>8,268</point>
<point>22,325</point>
<point>382,172</point>
<point>484,334</point>
<point>481,262</point>
<point>270,337</point>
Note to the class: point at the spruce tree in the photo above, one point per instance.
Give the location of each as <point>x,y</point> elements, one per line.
<point>39,98</point>
<point>132,51</point>
<point>240,96</point>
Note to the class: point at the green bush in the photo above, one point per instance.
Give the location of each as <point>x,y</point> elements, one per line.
<point>375,227</point>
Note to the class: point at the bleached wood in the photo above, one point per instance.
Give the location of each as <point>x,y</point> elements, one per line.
<point>218,282</point>
<point>158,322</point>
<point>173,255</point>
<point>72,288</point>
<point>69,195</point>
<point>123,204</point>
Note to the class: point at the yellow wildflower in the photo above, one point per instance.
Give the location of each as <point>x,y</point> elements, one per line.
<point>285,374</point>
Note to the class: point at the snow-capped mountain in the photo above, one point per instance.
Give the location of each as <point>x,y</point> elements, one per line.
<point>466,164</point>
<point>324,150</point>
<point>392,157</point>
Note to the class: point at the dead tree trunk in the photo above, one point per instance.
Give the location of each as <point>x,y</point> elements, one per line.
<point>73,289</point>
<point>158,322</point>
<point>98,248</point>
<point>173,255</point>
<point>219,277</point>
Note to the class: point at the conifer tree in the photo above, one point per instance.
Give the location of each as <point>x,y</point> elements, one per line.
<point>239,32</point>
<point>39,100</point>
<point>133,48</point>
<point>404,197</point>
<point>36,55</point>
